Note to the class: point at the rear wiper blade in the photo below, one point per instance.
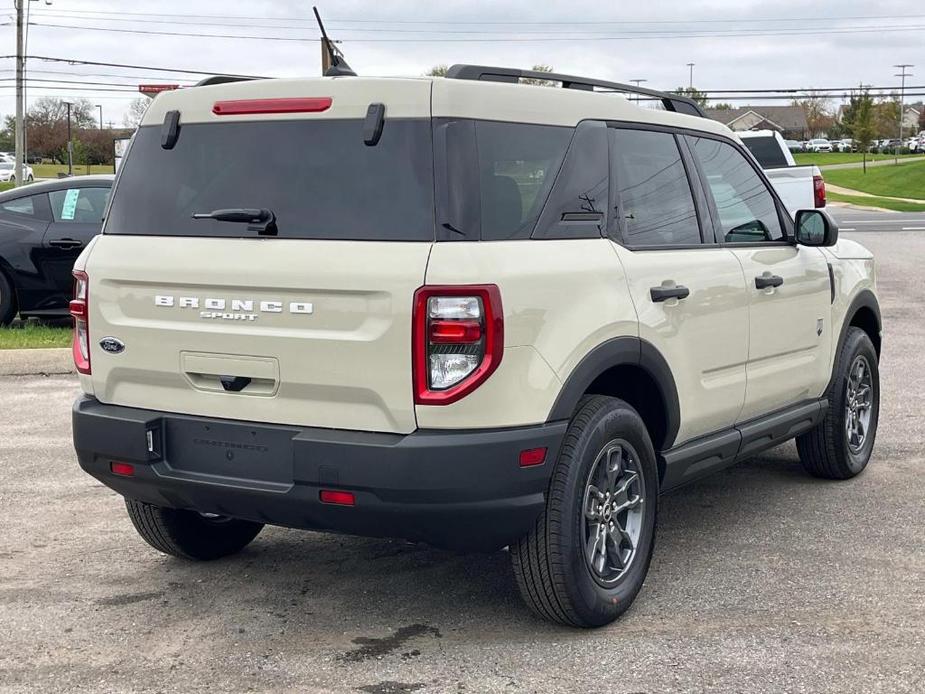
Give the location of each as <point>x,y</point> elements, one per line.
<point>260,220</point>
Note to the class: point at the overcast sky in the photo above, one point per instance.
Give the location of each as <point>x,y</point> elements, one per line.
<point>751,44</point>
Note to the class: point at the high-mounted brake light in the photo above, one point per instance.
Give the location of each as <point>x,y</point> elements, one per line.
<point>239,107</point>
<point>80,312</point>
<point>818,191</point>
<point>457,341</point>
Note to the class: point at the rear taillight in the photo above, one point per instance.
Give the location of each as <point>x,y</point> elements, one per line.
<point>818,191</point>
<point>79,311</point>
<point>458,340</point>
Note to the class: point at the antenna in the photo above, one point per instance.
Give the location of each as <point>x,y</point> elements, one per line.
<point>337,66</point>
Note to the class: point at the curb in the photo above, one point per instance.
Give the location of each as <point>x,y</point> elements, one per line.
<point>36,362</point>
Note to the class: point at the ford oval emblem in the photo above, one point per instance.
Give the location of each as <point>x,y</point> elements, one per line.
<point>112,345</point>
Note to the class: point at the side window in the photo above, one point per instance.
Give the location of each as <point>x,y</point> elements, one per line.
<point>746,209</point>
<point>577,205</point>
<point>26,206</point>
<point>79,205</point>
<point>653,194</point>
<point>517,166</point>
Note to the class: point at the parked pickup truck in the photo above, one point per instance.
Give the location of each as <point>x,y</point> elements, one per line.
<point>800,187</point>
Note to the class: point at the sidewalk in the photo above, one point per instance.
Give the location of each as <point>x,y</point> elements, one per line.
<point>861,194</point>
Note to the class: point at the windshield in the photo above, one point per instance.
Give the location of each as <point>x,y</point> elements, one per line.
<point>317,176</point>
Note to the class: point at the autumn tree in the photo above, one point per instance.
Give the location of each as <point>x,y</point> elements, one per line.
<point>818,111</point>
<point>136,111</point>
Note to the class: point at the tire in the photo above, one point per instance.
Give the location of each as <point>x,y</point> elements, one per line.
<point>826,450</point>
<point>188,534</point>
<point>7,301</point>
<point>551,564</point>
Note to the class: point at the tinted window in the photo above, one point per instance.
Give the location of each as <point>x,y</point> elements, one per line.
<point>747,211</point>
<point>20,205</point>
<point>767,151</point>
<point>81,205</point>
<point>517,166</point>
<point>318,177</point>
<point>577,205</point>
<point>653,194</point>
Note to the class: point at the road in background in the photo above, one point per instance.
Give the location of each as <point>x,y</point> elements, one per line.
<point>763,579</point>
<point>852,219</point>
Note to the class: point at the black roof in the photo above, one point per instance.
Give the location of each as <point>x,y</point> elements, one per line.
<point>91,181</point>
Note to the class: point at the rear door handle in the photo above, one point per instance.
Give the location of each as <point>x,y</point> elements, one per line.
<point>65,243</point>
<point>765,281</point>
<point>660,294</point>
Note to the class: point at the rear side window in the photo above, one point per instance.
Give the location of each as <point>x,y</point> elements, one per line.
<point>653,195</point>
<point>24,206</point>
<point>767,151</point>
<point>746,209</point>
<point>79,205</point>
<point>317,176</point>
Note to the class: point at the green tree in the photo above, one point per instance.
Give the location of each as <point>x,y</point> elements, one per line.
<point>693,93</point>
<point>862,125</point>
<point>723,107</point>
<point>437,71</point>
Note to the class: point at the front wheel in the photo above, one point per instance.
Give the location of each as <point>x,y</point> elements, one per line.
<point>840,446</point>
<point>587,556</point>
<point>188,534</point>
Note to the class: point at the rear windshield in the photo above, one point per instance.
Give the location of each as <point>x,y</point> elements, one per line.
<point>767,151</point>
<point>317,176</point>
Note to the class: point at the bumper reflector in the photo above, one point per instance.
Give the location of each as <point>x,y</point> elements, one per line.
<point>124,469</point>
<point>532,456</point>
<point>333,496</point>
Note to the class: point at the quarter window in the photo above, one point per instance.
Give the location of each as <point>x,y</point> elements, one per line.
<point>79,205</point>
<point>746,209</point>
<point>20,206</point>
<point>653,194</point>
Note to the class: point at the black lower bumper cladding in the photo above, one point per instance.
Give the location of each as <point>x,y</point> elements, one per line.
<point>459,489</point>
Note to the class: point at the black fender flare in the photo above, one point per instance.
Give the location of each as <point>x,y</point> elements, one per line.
<point>620,351</point>
<point>864,299</point>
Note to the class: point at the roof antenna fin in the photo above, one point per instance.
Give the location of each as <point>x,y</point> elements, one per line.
<point>337,66</point>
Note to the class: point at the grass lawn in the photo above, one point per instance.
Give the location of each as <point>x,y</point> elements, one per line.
<point>34,336</point>
<point>828,158</point>
<point>52,170</point>
<point>903,181</point>
<point>884,203</point>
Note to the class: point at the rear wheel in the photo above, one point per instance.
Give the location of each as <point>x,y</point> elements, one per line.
<point>588,554</point>
<point>840,446</point>
<point>7,301</point>
<point>189,534</point>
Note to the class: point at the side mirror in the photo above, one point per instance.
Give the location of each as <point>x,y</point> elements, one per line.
<point>815,228</point>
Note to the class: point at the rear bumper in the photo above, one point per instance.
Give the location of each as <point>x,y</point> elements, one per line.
<point>461,489</point>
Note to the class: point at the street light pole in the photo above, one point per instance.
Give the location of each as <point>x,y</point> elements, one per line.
<point>902,97</point>
<point>20,84</point>
<point>637,83</point>
<point>100,107</point>
<point>691,83</point>
<point>70,145</point>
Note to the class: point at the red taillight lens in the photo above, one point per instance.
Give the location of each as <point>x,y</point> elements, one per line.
<point>818,191</point>
<point>532,456</point>
<point>311,104</point>
<point>334,496</point>
<point>457,341</point>
<point>79,311</point>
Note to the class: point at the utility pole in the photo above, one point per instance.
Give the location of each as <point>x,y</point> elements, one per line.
<point>70,145</point>
<point>637,83</point>
<point>100,107</point>
<point>691,83</point>
<point>902,96</point>
<point>20,83</point>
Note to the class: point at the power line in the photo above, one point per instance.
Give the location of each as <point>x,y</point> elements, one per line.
<point>456,22</point>
<point>127,66</point>
<point>63,81</point>
<point>71,73</point>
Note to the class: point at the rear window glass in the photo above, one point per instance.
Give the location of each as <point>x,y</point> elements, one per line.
<point>766,150</point>
<point>317,176</point>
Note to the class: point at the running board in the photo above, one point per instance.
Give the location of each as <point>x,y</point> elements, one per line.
<point>695,459</point>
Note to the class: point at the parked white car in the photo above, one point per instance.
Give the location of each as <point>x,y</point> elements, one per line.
<point>845,145</point>
<point>7,172</point>
<point>799,187</point>
<point>819,145</point>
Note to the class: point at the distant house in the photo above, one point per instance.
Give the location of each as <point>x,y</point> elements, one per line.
<point>911,117</point>
<point>789,121</point>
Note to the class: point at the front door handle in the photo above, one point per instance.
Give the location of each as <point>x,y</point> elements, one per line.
<point>660,294</point>
<point>766,281</point>
<point>65,244</point>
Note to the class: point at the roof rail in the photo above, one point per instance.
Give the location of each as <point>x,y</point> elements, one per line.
<point>224,79</point>
<point>671,102</point>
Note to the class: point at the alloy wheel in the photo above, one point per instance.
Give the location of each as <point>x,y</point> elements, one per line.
<point>858,403</point>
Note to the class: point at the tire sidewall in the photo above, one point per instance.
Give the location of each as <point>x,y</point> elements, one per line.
<point>597,604</point>
<point>856,343</point>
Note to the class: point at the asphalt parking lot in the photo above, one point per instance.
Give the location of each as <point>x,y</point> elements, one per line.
<point>763,578</point>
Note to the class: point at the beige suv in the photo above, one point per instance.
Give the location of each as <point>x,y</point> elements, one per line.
<point>464,311</point>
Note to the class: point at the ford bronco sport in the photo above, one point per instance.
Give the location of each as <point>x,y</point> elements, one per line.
<point>463,311</point>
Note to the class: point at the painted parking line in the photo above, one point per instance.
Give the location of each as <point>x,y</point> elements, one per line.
<point>913,228</point>
<point>847,229</point>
